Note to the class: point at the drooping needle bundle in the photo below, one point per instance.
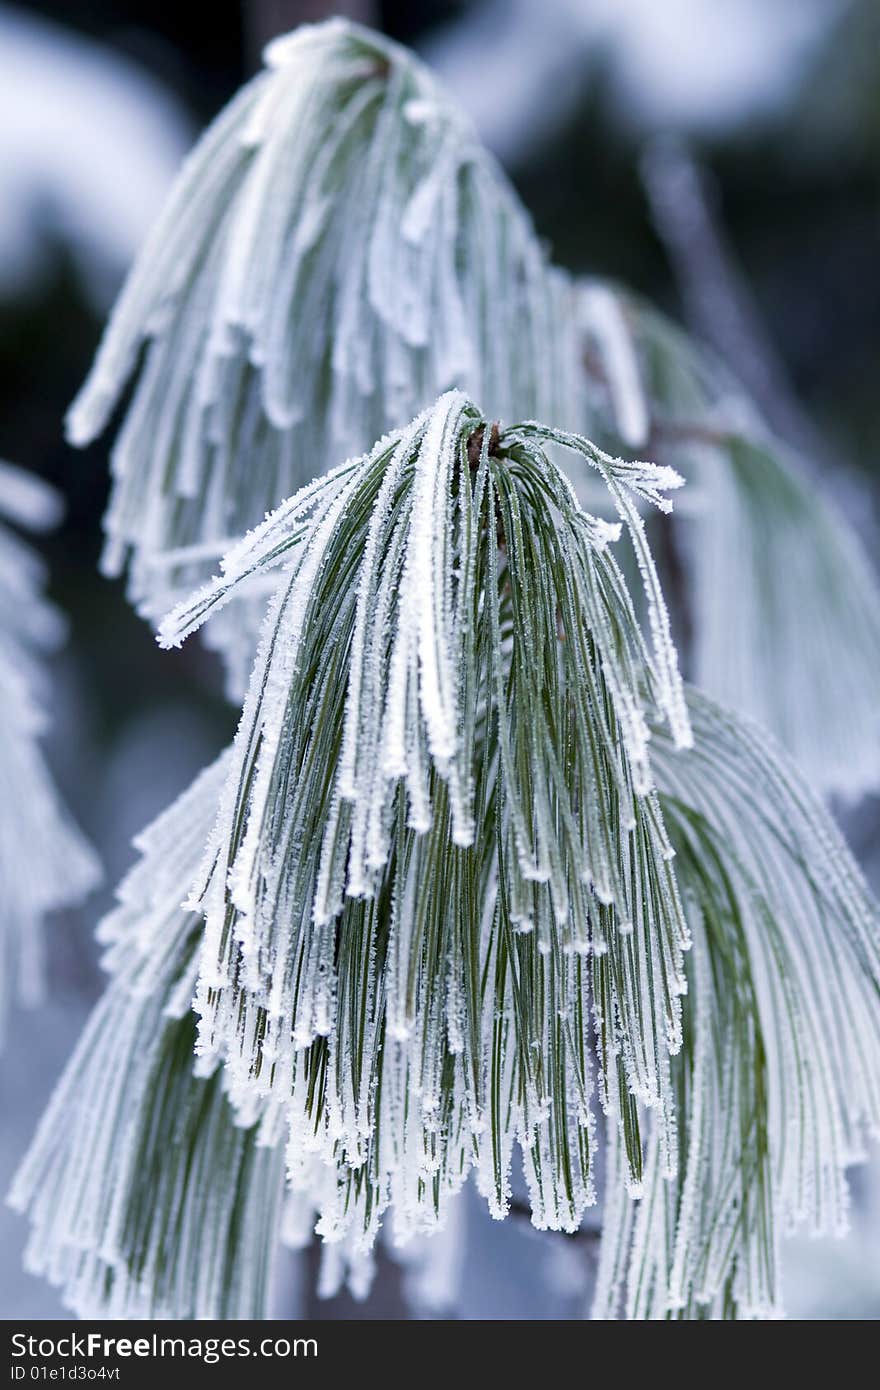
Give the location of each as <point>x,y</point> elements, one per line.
<point>464,861</point>
<point>437,809</point>
<point>777,595</point>
<point>777,1088</point>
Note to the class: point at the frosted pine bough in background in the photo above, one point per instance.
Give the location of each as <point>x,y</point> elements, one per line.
<point>45,863</point>
<point>452,691</point>
<point>781,601</point>
<point>147,1200</point>
<point>337,252</point>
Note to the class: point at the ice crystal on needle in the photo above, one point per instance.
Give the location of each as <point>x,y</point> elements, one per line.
<point>439,864</point>
<point>44,862</point>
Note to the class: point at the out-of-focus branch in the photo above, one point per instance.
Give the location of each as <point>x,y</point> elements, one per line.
<point>717,301</point>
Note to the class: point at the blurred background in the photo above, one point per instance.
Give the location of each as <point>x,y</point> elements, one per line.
<point>764,119</point>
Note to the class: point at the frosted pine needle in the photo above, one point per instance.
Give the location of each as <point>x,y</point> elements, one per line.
<point>439,865</point>
<point>146,1199</point>
<point>44,862</point>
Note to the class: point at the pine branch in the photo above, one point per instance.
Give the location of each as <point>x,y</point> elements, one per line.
<point>403,728</point>
<point>466,858</point>
<point>337,252</point>
<point>781,600</point>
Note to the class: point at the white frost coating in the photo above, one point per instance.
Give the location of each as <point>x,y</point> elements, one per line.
<point>626,481</point>
<point>451,690</point>
<point>44,862</point>
<point>146,1198</point>
<point>337,251</point>
<point>404,726</point>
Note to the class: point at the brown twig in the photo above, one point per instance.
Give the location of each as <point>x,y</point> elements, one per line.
<point>475,444</point>
<point>474,450</point>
